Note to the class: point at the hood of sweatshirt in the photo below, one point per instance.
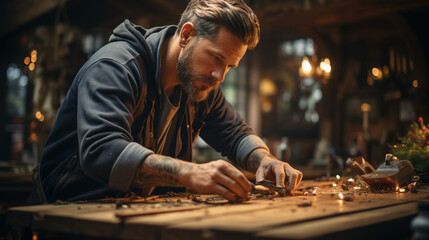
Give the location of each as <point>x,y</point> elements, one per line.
<point>146,41</point>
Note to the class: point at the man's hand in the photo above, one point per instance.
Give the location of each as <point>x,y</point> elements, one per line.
<point>269,168</point>
<point>219,177</point>
<point>216,177</point>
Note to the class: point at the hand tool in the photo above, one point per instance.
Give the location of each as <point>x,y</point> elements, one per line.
<point>393,172</point>
<point>271,186</point>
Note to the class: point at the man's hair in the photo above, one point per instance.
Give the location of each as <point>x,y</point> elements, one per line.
<point>208,15</point>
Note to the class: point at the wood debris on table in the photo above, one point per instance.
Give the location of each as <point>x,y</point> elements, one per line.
<point>190,215</point>
<point>346,188</point>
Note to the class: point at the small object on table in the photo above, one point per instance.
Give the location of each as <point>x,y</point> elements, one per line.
<point>282,191</point>
<point>393,173</point>
<point>359,165</point>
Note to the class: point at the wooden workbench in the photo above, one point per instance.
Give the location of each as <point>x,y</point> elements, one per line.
<point>324,215</point>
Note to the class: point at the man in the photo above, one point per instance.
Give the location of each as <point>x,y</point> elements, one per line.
<point>134,109</point>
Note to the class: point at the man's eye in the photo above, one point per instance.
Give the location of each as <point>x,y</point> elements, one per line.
<point>216,58</point>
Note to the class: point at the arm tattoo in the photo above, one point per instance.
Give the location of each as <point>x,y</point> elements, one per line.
<point>158,170</point>
<point>255,159</point>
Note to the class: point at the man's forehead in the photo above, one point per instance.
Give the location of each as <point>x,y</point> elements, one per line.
<point>228,45</point>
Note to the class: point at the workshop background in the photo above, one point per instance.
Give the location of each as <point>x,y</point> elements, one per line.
<point>329,80</point>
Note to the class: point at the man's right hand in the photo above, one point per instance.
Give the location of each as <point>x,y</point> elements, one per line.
<point>219,177</point>
<point>216,177</point>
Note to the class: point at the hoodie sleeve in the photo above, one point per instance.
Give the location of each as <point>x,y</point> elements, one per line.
<point>108,94</point>
<point>226,132</point>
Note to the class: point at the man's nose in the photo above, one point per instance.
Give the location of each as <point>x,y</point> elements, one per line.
<point>219,74</point>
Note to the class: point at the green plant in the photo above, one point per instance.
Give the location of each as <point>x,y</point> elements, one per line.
<point>414,146</point>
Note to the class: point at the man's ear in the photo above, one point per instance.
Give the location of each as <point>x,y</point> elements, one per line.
<point>187,31</point>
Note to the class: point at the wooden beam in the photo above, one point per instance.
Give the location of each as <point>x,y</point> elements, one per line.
<point>18,13</point>
<point>281,15</point>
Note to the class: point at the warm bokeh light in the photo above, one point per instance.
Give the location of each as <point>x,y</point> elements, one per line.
<point>386,71</point>
<point>306,66</point>
<point>340,195</point>
<point>370,81</point>
<point>31,66</point>
<point>33,137</point>
<point>365,107</point>
<point>415,83</point>
<point>328,68</point>
<point>267,87</point>
<point>33,53</point>
<point>34,58</point>
<point>377,73</point>
<point>27,60</point>
<point>327,61</point>
<point>33,125</point>
<point>325,65</point>
<point>40,116</point>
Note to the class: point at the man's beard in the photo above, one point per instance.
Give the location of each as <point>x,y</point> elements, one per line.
<point>185,75</point>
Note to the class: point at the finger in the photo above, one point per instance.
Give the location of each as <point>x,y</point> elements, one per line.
<point>280,176</point>
<point>300,177</point>
<point>260,174</point>
<point>294,179</point>
<point>224,192</point>
<point>231,185</point>
<point>230,171</point>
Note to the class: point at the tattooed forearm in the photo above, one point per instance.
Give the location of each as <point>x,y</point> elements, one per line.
<point>255,159</point>
<point>158,170</point>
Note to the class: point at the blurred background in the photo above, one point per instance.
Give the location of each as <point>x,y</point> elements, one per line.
<point>330,79</point>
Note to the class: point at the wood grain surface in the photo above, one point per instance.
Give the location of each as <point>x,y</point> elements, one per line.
<point>196,216</point>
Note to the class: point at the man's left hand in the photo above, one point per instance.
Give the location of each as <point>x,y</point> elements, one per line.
<point>276,171</point>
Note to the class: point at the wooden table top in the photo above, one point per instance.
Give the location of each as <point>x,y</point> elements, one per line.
<point>191,216</point>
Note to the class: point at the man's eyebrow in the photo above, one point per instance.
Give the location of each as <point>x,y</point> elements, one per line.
<point>217,54</point>
<point>213,51</point>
